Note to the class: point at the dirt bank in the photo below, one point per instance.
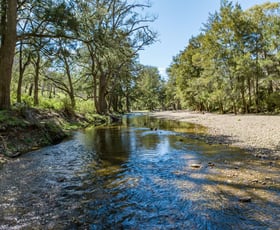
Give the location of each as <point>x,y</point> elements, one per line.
<point>27,129</point>
<point>257,133</point>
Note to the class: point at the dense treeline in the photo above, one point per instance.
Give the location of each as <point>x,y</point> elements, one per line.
<point>233,65</point>
<point>72,52</point>
<point>83,55</point>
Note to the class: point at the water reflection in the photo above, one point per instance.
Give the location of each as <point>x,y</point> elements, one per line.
<point>137,175</point>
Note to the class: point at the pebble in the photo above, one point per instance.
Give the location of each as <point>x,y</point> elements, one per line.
<point>265,135</point>
<point>60,179</point>
<point>245,199</point>
<point>196,166</point>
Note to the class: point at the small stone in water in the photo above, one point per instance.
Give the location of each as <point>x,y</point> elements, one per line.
<point>195,166</point>
<point>211,164</point>
<point>245,199</point>
<point>60,179</point>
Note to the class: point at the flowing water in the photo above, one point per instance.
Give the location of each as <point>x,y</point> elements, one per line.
<point>143,174</point>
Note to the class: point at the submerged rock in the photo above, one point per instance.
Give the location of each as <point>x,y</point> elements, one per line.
<point>195,166</point>
<point>211,164</point>
<point>245,199</point>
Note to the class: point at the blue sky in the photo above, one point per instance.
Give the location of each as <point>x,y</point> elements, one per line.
<point>177,22</point>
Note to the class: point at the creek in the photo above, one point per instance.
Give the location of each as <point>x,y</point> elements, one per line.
<point>145,173</point>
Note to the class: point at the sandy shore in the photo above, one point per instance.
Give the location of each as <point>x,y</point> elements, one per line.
<point>257,133</point>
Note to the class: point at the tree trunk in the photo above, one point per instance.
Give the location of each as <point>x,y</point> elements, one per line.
<point>250,94</point>
<point>22,67</point>
<point>244,103</point>
<point>50,90</point>
<point>36,79</point>
<point>94,75</point>
<point>127,102</point>
<point>43,88</point>
<point>257,92</point>
<point>71,88</point>
<point>102,103</point>
<point>7,49</point>
<point>30,89</point>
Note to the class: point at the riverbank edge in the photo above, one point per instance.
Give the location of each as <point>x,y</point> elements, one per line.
<point>257,134</point>
<point>29,129</point>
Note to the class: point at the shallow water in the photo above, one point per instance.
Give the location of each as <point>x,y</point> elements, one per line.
<point>139,175</point>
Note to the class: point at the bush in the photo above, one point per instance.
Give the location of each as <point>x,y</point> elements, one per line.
<point>273,102</point>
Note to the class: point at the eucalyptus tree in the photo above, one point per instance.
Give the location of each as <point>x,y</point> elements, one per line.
<point>64,61</point>
<point>234,65</point>
<point>264,47</point>
<point>185,72</point>
<point>22,19</point>
<point>24,59</point>
<point>230,33</point>
<point>51,22</point>
<point>149,86</point>
<point>113,32</point>
<point>8,38</point>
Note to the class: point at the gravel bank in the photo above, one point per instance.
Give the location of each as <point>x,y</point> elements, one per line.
<point>257,133</point>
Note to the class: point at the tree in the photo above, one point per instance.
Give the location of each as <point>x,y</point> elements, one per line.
<point>64,59</point>
<point>233,65</point>
<point>8,38</point>
<point>149,86</point>
<point>113,32</point>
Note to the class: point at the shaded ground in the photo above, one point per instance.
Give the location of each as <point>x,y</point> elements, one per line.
<point>260,134</point>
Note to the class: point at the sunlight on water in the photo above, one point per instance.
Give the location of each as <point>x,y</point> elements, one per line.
<point>146,173</point>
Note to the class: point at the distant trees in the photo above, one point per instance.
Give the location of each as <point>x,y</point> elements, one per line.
<point>149,89</point>
<point>233,65</point>
<point>83,49</point>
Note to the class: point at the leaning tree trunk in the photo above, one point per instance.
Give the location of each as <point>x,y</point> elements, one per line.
<point>7,49</point>
<point>71,88</point>
<point>22,67</point>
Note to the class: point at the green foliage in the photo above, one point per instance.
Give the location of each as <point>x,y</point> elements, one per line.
<point>67,107</point>
<point>149,89</point>
<point>273,102</point>
<point>51,103</point>
<point>8,119</point>
<point>233,65</point>
<point>27,100</point>
<point>85,106</point>
<point>78,49</point>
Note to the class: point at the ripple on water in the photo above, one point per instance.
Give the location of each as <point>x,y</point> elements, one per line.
<point>131,177</point>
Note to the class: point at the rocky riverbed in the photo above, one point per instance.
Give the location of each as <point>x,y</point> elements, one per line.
<point>259,134</point>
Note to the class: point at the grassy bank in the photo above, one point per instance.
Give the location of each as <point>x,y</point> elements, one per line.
<point>25,129</point>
